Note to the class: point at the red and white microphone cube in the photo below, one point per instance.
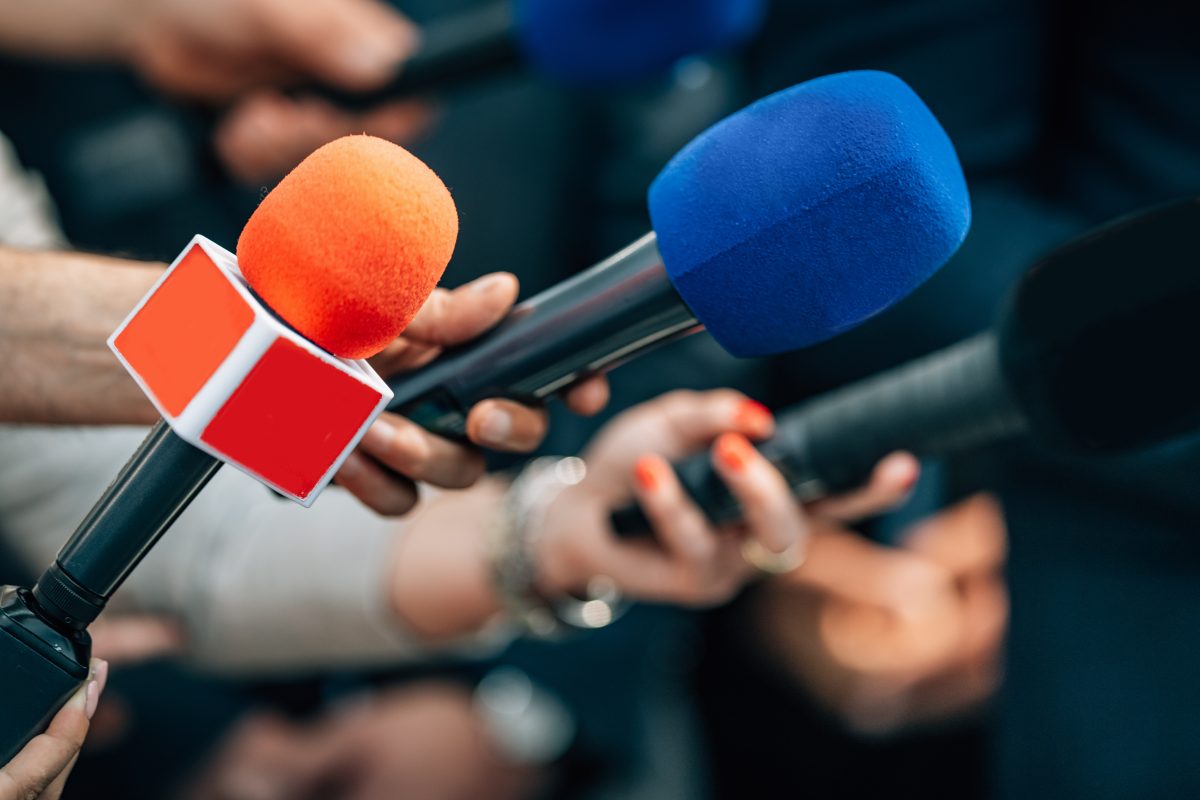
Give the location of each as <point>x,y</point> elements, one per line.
<point>234,380</point>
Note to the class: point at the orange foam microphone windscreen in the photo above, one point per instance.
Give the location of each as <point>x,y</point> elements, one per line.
<point>350,244</point>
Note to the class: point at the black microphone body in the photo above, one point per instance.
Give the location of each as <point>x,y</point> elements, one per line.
<point>1084,356</point>
<point>44,644</point>
<point>619,308</point>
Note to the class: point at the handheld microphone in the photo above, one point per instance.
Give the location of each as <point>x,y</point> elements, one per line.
<point>258,371</point>
<point>788,223</point>
<point>581,42</point>
<point>1084,358</point>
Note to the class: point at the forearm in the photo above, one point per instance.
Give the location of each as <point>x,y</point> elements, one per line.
<point>56,313</point>
<point>72,29</point>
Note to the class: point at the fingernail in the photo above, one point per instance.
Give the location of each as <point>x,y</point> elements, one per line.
<point>95,686</point>
<point>488,283</point>
<point>496,428</point>
<point>101,673</point>
<point>734,451</point>
<point>379,435</point>
<point>646,473</point>
<point>754,417</point>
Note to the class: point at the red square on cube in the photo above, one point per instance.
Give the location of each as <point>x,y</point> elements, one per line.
<point>232,379</point>
<point>291,418</point>
<point>184,330</point>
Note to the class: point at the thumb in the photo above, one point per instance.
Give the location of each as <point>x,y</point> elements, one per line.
<point>354,44</point>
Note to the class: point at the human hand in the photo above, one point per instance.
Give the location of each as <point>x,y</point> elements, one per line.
<point>423,742</point>
<point>267,133</point>
<point>690,562</point>
<point>41,769</point>
<point>395,454</point>
<point>219,49</point>
<point>887,638</point>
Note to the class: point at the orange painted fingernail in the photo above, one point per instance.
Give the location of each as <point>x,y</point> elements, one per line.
<point>734,451</point>
<point>646,473</point>
<point>754,417</point>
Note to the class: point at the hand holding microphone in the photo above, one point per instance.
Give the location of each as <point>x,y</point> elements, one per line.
<point>1082,358</point>
<point>696,564</point>
<point>346,250</point>
<point>396,454</point>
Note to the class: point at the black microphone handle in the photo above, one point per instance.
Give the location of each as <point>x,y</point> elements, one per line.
<point>44,645</point>
<point>158,482</point>
<point>946,402</point>
<point>461,48</point>
<point>614,311</point>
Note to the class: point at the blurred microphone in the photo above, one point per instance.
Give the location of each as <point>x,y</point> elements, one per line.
<point>250,363</point>
<point>1084,357</point>
<point>788,223</point>
<point>578,42</point>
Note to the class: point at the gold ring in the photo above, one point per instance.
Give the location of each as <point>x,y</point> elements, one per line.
<point>764,560</point>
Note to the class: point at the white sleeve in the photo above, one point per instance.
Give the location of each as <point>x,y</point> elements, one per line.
<point>259,583</point>
<point>27,217</point>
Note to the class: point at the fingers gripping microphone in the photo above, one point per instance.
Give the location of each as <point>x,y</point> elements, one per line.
<point>251,362</point>
<point>786,224</point>
<point>581,42</point>
<point>1084,358</point>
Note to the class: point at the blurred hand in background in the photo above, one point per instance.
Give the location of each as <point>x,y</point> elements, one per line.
<point>267,133</point>
<point>244,51</point>
<point>219,49</point>
<point>888,638</point>
<point>420,742</point>
<point>240,54</point>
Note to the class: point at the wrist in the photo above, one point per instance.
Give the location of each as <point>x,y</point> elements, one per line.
<point>559,569</point>
<point>536,569</point>
<point>439,584</point>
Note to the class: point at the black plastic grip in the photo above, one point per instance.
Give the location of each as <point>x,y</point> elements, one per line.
<point>948,401</point>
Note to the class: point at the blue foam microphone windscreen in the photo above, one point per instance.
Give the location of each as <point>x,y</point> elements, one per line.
<point>810,211</point>
<point>609,41</point>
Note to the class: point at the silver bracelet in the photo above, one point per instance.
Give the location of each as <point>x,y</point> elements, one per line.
<point>514,569</point>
